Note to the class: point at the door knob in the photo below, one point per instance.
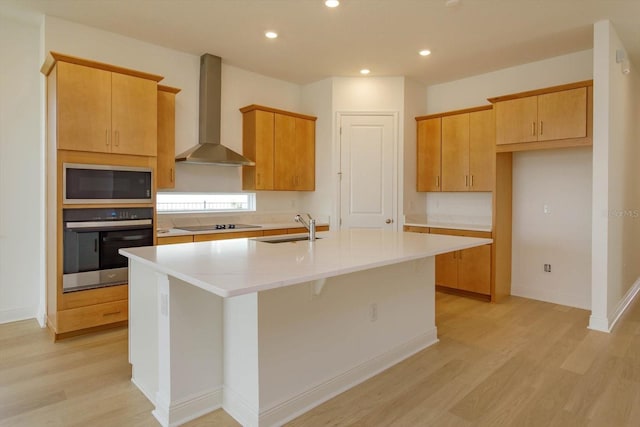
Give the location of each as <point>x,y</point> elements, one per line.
<point>389,221</point>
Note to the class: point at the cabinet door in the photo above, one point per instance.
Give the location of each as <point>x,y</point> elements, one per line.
<point>257,144</point>
<point>284,146</point>
<point>428,154</point>
<point>166,140</point>
<point>563,114</point>
<point>474,269</point>
<point>134,115</point>
<point>455,152</point>
<point>305,163</point>
<point>447,270</point>
<point>83,108</point>
<point>481,150</point>
<point>516,120</point>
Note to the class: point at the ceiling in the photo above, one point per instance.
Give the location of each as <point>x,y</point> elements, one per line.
<point>315,42</point>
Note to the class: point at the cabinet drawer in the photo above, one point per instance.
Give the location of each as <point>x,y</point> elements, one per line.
<point>169,240</point>
<point>95,315</point>
<point>92,297</point>
<point>416,229</point>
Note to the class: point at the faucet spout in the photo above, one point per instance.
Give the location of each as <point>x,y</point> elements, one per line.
<point>309,225</point>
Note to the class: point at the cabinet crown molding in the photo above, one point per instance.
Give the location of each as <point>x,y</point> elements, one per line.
<point>551,89</point>
<point>54,57</point>
<point>454,112</point>
<point>253,107</point>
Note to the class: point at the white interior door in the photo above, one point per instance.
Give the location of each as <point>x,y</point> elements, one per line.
<point>367,186</point>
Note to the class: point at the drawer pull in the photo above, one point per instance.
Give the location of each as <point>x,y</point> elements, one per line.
<point>112,313</point>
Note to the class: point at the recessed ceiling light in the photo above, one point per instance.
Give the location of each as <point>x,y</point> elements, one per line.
<point>271,34</point>
<point>365,71</point>
<point>425,52</point>
<point>332,3</point>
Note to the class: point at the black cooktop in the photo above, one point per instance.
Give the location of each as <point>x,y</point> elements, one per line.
<point>216,227</point>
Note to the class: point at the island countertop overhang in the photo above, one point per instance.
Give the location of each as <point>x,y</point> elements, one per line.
<point>236,267</point>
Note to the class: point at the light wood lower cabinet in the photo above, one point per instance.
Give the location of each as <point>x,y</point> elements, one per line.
<point>467,270</point>
<point>169,240</point>
<point>91,316</point>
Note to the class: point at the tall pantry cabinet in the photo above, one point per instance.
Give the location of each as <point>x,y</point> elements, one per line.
<point>97,114</point>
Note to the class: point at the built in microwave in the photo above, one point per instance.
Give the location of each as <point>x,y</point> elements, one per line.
<point>106,184</point>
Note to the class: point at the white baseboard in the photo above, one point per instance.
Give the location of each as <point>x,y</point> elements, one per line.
<point>16,314</point>
<point>150,396</point>
<point>623,304</point>
<point>187,409</point>
<point>41,316</point>
<point>236,406</point>
<point>598,323</point>
<point>550,296</point>
<point>292,408</point>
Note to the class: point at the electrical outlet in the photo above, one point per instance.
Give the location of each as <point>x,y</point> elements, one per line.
<point>547,268</point>
<point>373,312</point>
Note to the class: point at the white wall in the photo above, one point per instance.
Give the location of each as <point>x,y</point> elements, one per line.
<point>561,181</point>
<point>616,204</point>
<point>414,96</point>
<point>317,101</point>
<point>21,157</point>
<point>529,221</point>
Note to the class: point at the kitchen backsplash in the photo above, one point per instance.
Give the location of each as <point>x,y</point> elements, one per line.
<point>456,208</point>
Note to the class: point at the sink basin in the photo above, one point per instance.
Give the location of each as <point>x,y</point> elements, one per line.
<point>283,239</point>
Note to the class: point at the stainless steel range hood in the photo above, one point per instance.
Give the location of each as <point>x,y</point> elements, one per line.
<point>210,150</point>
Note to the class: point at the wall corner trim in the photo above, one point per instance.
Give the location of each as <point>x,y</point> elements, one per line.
<point>623,304</point>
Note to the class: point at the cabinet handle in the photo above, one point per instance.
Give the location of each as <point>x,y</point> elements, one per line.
<point>471,180</point>
<point>541,127</point>
<point>533,128</point>
<point>106,137</point>
<point>258,178</point>
<point>172,175</point>
<point>466,180</point>
<point>438,181</point>
<point>112,313</point>
<point>117,138</point>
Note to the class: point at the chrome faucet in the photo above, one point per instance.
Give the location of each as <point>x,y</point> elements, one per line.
<point>311,225</point>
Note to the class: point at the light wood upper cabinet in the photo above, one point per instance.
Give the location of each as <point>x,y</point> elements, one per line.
<point>283,146</point>
<point>257,145</point>
<point>560,114</point>
<point>428,154</point>
<point>134,115</point>
<point>166,172</point>
<point>102,108</point>
<point>83,104</point>
<point>482,153</point>
<point>456,151</point>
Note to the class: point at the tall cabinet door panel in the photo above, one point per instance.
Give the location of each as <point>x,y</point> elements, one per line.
<point>481,150</point>
<point>134,115</point>
<point>428,154</point>
<point>165,176</point>
<point>83,108</point>
<point>285,152</point>
<point>455,152</point>
<point>563,114</point>
<point>516,120</point>
<point>305,175</point>
<point>474,269</point>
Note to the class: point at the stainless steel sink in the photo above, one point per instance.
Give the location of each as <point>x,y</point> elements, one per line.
<point>283,239</point>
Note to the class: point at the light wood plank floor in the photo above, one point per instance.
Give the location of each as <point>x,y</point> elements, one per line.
<point>519,363</point>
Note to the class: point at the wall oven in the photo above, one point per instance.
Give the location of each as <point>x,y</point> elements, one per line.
<point>106,184</point>
<point>91,239</point>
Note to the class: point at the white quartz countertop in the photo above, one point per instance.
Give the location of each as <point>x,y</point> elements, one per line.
<point>451,225</point>
<point>241,266</point>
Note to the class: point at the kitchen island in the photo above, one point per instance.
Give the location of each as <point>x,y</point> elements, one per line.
<point>267,330</point>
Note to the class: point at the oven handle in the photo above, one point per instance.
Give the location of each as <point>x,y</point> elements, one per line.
<point>106,224</point>
<point>124,238</point>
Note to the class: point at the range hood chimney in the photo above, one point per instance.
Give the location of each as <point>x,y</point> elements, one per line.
<point>209,150</point>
